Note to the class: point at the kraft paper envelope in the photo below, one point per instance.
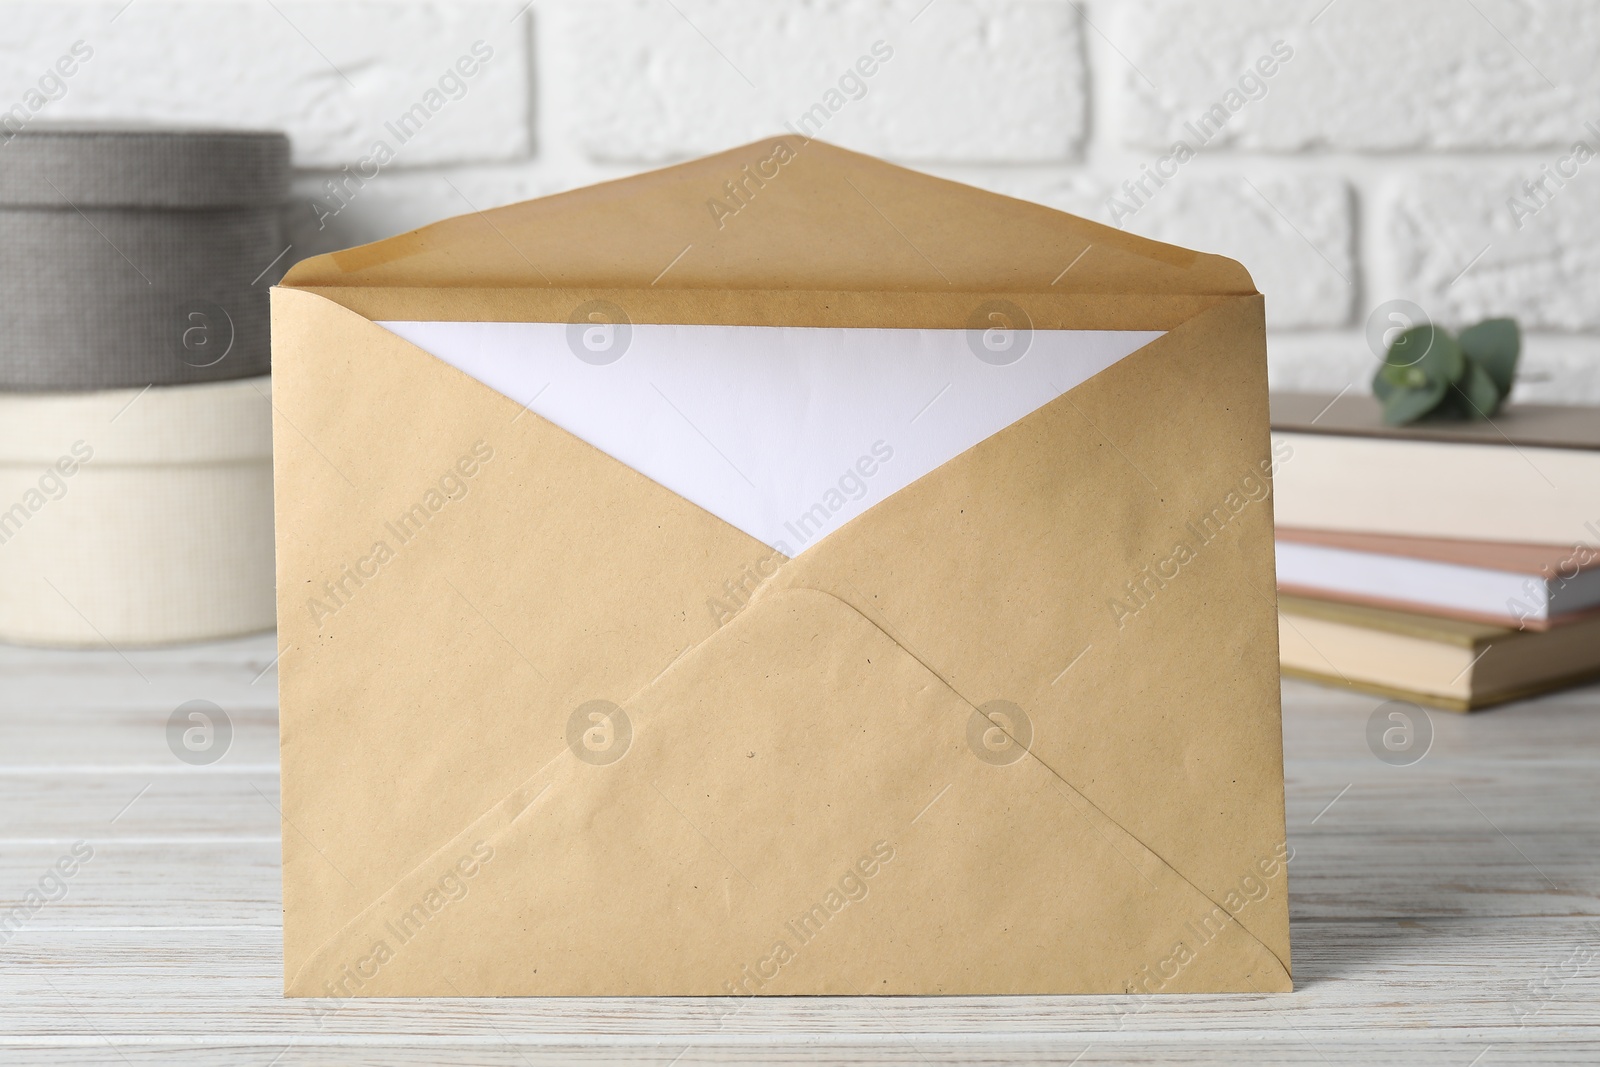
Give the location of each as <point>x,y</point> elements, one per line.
<point>781,573</point>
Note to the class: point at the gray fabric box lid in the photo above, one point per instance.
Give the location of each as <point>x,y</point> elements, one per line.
<point>133,255</point>
<point>142,166</point>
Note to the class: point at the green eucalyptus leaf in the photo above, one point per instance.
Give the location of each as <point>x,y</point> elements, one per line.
<point>1409,405</point>
<point>1444,361</point>
<point>1479,393</point>
<point>1381,386</point>
<point>1409,345</point>
<point>1495,345</point>
<point>1414,377</point>
<point>1428,349</point>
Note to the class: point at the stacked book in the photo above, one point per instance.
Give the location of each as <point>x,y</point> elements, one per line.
<point>1451,563</point>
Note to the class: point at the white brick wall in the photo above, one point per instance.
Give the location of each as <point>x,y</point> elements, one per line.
<point>1374,161</point>
<point>1367,75</point>
<point>997,81</point>
<point>329,74</point>
<point>1543,257</point>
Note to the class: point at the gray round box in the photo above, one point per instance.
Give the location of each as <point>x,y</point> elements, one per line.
<point>131,256</point>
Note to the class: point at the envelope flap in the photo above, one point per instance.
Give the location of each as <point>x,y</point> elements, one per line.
<point>784,214</point>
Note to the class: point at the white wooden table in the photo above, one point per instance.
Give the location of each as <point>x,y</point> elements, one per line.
<point>1446,912</point>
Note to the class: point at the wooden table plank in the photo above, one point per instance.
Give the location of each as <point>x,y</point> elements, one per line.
<point>176,885</point>
<point>1427,1050</point>
<point>1465,974</point>
<point>173,804</point>
<point>1440,910</point>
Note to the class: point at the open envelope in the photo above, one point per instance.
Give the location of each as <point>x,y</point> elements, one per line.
<point>781,573</point>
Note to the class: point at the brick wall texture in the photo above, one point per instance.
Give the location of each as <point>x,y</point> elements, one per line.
<point>1348,152</point>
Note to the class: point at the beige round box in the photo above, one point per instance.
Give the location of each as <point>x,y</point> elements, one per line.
<point>136,516</point>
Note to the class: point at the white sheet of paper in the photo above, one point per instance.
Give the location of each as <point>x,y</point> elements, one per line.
<point>784,432</point>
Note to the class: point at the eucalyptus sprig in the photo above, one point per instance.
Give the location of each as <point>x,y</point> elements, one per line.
<point>1427,373</point>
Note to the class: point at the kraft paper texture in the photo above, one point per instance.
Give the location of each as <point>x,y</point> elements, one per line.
<point>1013,730</point>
